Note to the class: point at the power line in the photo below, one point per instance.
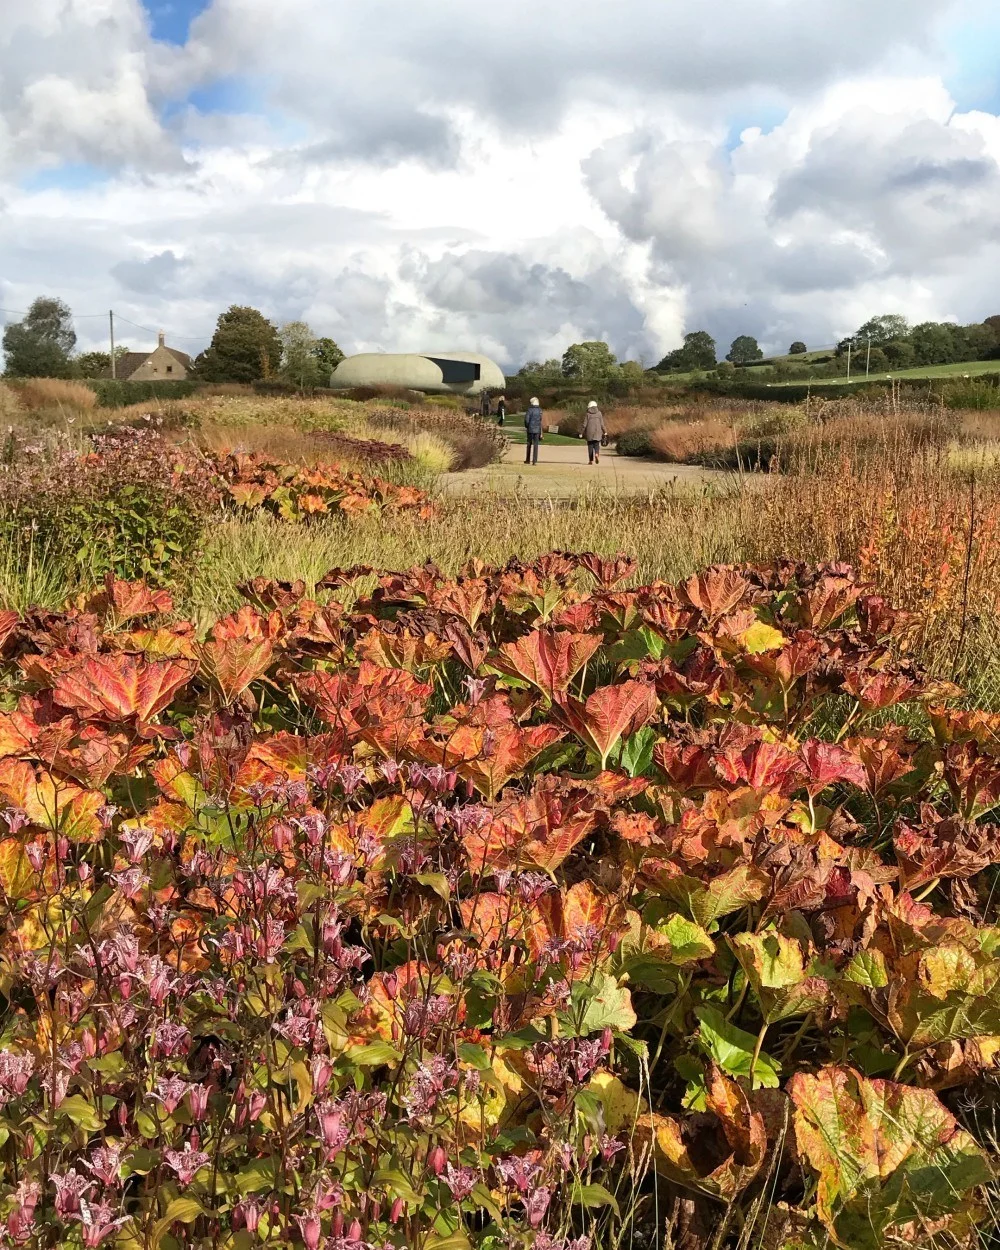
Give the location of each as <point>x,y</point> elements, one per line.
<point>182,338</point>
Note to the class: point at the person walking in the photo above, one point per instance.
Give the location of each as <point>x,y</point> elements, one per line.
<point>501,410</point>
<point>533,429</point>
<point>484,403</point>
<point>593,431</point>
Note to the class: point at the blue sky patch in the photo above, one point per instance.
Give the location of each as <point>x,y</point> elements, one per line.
<point>767,117</point>
<point>65,178</point>
<point>171,19</point>
<point>974,80</point>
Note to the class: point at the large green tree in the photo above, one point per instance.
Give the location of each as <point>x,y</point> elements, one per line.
<point>937,343</point>
<point>40,346</point>
<point>299,363</point>
<point>698,352</point>
<point>329,356</point>
<point>590,363</point>
<point>96,364</point>
<point>883,329</point>
<point>244,348</point>
<point>744,350</point>
<point>797,348</point>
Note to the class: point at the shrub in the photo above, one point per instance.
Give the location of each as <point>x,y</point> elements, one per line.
<point>401,394</point>
<point>115,393</point>
<point>505,911</point>
<point>635,442</point>
<point>133,506</point>
<point>454,402</point>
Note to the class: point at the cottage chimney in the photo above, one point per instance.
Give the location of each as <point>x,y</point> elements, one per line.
<point>163,339</point>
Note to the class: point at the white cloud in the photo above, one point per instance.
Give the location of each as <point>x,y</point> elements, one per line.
<point>516,176</point>
<point>74,86</point>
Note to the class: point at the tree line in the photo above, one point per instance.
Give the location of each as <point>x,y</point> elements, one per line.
<point>245,347</point>
<point>884,343</point>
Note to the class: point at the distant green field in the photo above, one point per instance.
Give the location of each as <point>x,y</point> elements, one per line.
<point>965,368</point>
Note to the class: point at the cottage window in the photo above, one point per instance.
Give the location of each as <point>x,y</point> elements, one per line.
<point>170,368</point>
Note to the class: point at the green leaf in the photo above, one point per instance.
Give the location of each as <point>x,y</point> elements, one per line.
<point>255,1176</point>
<point>595,1196</point>
<point>436,881</point>
<point>637,751</point>
<point>726,893</point>
<point>146,1125</point>
<point>81,1112</point>
<point>372,1055</point>
<point>610,1006</point>
<point>474,1055</point>
<point>453,1241</point>
<point>868,968</point>
<point>482,1197</point>
<point>142,1161</point>
<point>186,1210</point>
<point>732,1048</point>
<point>689,942</point>
<point>397,1183</point>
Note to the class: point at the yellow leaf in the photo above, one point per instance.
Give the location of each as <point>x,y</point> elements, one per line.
<point>622,1106</point>
<point>760,637</point>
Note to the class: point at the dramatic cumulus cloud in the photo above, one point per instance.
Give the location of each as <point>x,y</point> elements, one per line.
<point>75,86</point>
<point>511,176</point>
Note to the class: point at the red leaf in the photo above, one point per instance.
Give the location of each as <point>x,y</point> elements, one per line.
<point>611,712</point>
<point>121,687</point>
<point>826,764</point>
<point>549,659</point>
<point>716,591</point>
<point>124,601</point>
<point>608,571</point>
<point>8,623</point>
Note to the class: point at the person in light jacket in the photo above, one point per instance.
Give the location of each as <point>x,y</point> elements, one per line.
<point>533,429</point>
<point>593,431</point>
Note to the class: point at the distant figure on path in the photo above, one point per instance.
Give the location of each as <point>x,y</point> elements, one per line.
<point>593,431</point>
<point>501,410</point>
<point>533,427</point>
<point>484,403</point>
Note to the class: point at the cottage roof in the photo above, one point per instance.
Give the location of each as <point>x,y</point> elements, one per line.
<point>131,362</point>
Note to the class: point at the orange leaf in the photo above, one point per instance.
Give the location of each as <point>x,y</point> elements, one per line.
<point>549,659</point>
<point>611,713</point>
<point>121,687</point>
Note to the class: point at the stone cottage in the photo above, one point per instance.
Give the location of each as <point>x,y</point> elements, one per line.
<point>163,364</point>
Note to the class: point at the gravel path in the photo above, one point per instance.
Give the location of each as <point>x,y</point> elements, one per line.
<point>563,471</point>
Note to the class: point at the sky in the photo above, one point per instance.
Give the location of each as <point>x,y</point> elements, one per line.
<point>420,175</point>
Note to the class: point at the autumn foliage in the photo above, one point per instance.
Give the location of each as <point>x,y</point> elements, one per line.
<point>520,909</point>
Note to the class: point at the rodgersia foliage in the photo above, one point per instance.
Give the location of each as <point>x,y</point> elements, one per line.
<point>517,910</point>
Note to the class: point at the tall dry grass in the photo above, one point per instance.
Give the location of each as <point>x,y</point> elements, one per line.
<point>11,410</point>
<point>689,442</point>
<point>38,393</point>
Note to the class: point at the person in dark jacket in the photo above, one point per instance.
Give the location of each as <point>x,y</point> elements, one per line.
<point>484,403</point>
<point>593,431</point>
<point>501,410</point>
<point>533,427</point>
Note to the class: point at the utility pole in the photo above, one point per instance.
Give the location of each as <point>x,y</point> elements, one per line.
<point>868,359</point>
<point>849,342</point>
<point>111,320</point>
